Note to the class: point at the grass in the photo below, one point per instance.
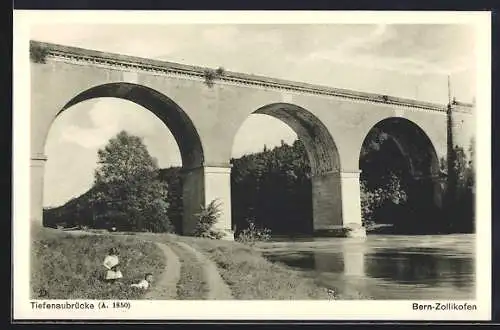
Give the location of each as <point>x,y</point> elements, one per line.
<point>69,266</point>
<point>251,276</point>
<point>191,284</point>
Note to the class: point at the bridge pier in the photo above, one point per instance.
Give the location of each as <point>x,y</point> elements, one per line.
<point>348,259</point>
<point>201,186</point>
<point>354,259</point>
<point>37,170</point>
<point>337,204</point>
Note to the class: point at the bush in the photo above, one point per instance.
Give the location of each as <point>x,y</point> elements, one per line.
<point>206,220</point>
<point>390,191</point>
<point>220,71</point>
<point>38,54</point>
<point>210,75</point>
<point>254,234</point>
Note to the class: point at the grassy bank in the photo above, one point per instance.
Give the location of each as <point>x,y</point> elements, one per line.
<point>248,274</point>
<point>69,265</point>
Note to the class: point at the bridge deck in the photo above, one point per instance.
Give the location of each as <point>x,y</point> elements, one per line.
<point>139,63</point>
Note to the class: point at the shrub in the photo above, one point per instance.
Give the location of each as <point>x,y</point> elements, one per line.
<point>206,220</point>
<point>38,54</point>
<point>210,75</point>
<point>373,199</point>
<point>253,234</point>
<point>219,71</point>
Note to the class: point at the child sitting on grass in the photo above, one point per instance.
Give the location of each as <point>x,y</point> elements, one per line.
<point>111,262</point>
<point>144,283</point>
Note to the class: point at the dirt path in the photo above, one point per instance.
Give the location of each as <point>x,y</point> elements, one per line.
<point>217,288</point>
<point>192,284</point>
<point>188,274</point>
<point>165,287</point>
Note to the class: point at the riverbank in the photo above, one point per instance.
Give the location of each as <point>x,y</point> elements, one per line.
<point>67,265</point>
<point>251,276</point>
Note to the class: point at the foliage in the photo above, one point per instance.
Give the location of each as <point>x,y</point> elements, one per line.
<point>128,193</point>
<point>460,194</point>
<point>390,191</point>
<point>210,75</point>
<point>66,266</point>
<point>220,71</point>
<point>252,234</point>
<point>38,54</point>
<point>207,218</point>
<point>373,143</point>
<point>273,188</point>
<point>172,177</point>
<point>391,195</point>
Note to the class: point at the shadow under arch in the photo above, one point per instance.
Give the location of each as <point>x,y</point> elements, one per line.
<point>398,145</point>
<point>323,195</point>
<point>320,147</point>
<point>172,115</point>
<point>412,142</point>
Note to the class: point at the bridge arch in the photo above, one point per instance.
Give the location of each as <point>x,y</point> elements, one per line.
<point>324,161</point>
<point>165,109</point>
<point>320,147</point>
<point>171,114</point>
<point>400,146</point>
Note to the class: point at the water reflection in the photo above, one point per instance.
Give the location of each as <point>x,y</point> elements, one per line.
<point>386,268</point>
<point>301,260</point>
<point>420,266</point>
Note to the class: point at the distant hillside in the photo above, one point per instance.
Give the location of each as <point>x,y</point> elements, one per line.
<point>79,211</point>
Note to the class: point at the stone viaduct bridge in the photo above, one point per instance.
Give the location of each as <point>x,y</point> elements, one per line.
<point>204,110</point>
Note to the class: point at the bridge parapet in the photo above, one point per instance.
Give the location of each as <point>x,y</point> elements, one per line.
<point>133,63</point>
<point>458,106</point>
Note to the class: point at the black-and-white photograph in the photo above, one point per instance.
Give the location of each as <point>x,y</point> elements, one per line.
<point>252,161</point>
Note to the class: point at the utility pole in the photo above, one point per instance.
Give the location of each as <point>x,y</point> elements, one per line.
<point>451,175</point>
<point>449,131</point>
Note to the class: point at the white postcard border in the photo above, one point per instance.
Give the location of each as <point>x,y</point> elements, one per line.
<point>247,310</point>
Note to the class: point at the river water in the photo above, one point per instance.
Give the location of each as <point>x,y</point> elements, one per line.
<point>385,266</point>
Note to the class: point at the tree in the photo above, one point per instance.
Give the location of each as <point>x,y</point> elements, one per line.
<point>460,208</point>
<point>273,188</point>
<point>128,193</point>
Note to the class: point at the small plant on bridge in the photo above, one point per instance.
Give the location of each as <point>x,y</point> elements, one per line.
<point>207,218</point>
<point>211,75</point>
<point>38,54</point>
<point>253,234</point>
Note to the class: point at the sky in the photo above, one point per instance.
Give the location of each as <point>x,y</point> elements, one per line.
<point>411,61</point>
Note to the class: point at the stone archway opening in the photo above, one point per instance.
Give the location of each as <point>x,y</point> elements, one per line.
<point>178,124</point>
<point>164,108</point>
<point>298,185</point>
<point>401,183</point>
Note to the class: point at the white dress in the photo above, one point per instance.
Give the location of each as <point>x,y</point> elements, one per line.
<point>109,263</point>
